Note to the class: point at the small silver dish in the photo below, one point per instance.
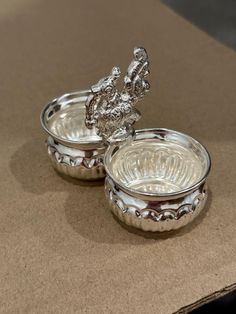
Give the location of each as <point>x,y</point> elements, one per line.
<point>156,178</point>
<point>73,149</point>
<point>157,181</point>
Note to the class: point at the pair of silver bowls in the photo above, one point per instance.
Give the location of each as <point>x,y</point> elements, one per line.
<point>155,178</point>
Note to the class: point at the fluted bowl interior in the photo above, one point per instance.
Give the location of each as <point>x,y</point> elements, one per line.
<point>158,162</point>
<point>64,119</point>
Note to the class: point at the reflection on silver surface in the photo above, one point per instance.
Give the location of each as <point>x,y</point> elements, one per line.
<point>157,167</point>
<point>155,215</point>
<point>158,162</point>
<point>68,124</point>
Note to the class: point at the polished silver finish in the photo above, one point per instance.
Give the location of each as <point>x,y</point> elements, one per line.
<point>156,178</point>
<point>80,164</point>
<point>73,149</point>
<point>156,181</point>
<point>156,215</point>
<point>112,112</point>
<point>77,149</point>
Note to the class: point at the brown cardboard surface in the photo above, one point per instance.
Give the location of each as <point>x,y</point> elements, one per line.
<point>61,250</point>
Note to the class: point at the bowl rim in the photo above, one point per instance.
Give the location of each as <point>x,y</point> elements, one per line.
<point>59,100</point>
<point>162,196</point>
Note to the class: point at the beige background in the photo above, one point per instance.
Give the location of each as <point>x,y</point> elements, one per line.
<point>61,251</point>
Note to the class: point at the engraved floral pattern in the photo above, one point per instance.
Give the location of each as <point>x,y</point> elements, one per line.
<point>164,167</point>
<point>156,211</point>
<point>75,161</point>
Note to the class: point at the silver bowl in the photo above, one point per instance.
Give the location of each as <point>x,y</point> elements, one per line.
<point>73,149</point>
<point>157,181</point>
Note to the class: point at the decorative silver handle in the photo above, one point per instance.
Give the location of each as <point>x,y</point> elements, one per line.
<point>113,112</point>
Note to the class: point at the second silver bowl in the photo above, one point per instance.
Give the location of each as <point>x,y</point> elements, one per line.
<point>157,182</point>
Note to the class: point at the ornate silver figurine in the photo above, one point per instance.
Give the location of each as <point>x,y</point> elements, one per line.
<point>111,111</point>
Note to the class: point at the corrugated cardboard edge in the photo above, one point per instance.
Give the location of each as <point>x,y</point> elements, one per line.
<point>207,299</point>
